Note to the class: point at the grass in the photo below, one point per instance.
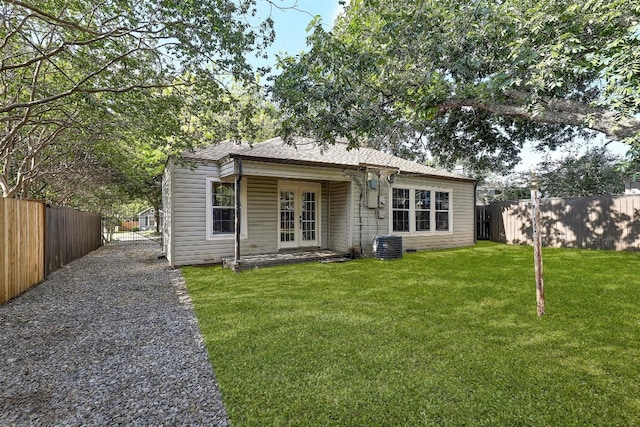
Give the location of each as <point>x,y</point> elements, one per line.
<point>438,338</point>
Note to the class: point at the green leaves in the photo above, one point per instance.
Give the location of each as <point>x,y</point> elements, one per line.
<point>78,73</point>
<point>492,74</point>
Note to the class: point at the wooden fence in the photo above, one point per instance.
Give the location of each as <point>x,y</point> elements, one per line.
<point>36,240</point>
<point>70,234</point>
<point>22,234</point>
<point>603,222</point>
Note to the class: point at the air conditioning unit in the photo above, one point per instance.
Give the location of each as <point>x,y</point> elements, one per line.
<point>387,247</point>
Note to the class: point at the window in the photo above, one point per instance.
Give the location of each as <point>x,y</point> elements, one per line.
<point>401,204</point>
<point>418,210</point>
<point>223,204</point>
<point>221,209</point>
<point>423,210</point>
<point>442,211</point>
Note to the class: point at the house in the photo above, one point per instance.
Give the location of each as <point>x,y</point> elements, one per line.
<point>147,219</point>
<point>632,185</point>
<point>234,200</point>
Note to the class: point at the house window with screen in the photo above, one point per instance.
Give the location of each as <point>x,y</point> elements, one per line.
<point>423,210</point>
<point>400,206</point>
<point>223,209</point>
<point>420,210</point>
<point>442,211</point>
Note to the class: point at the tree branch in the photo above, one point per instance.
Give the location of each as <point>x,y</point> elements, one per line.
<point>53,19</point>
<point>557,111</point>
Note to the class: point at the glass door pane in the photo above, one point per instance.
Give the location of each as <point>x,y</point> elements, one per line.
<point>308,216</point>
<point>287,216</point>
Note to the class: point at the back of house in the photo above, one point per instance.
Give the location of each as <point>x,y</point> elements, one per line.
<point>239,199</point>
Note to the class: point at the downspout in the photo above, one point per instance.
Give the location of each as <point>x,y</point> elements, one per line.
<point>361,188</point>
<point>238,168</point>
<point>328,192</point>
<point>475,212</point>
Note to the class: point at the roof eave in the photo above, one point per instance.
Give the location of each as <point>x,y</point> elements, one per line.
<point>360,166</point>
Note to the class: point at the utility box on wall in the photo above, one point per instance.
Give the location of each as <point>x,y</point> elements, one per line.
<point>372,193</point>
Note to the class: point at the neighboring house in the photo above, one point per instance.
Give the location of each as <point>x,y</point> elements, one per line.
<point>147,219</point>
<point>632,185</point>
<point>296,197</point>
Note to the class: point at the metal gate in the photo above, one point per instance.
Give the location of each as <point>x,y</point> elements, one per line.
<point>128,226</point>
<point>483,222</point>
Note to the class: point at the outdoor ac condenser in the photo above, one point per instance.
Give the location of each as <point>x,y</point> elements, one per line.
<point>387,247</point>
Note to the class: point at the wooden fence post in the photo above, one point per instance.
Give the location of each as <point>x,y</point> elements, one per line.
<point>537,246</point>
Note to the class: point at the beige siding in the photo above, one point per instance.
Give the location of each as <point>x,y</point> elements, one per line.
<point>346,221</point>
<point>366,221</point>
<point>462,218</point>
<point>189,235</point>
<point>262,216</point>
<point>462,215</point>
<point>227,169</point>
<point>324,216</point>
<point>295,172</point>
<point>338,218</point>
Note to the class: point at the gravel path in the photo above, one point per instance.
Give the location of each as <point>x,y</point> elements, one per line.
<point>110,339</point>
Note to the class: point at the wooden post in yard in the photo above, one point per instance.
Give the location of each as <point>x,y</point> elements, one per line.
<point>537,245</point>
<point>238,216</point>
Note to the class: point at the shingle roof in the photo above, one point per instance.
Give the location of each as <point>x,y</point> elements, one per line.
<point>307,151</point>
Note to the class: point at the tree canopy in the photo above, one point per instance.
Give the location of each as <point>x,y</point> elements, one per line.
<point>78,77</point>
<point>593,173</point>
<point>469,81</point>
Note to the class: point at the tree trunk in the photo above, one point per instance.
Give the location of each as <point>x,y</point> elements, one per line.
<point>537,249</point>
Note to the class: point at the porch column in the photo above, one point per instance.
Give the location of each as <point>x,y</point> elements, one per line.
<point>238,168</point>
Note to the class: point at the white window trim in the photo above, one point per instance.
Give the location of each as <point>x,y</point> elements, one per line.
<point>412,210</point>
<point>244,232</point>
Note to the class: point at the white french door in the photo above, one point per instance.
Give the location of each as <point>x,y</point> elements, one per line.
<point>299,214</point>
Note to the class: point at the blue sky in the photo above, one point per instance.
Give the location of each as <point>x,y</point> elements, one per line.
<point>291,21</point>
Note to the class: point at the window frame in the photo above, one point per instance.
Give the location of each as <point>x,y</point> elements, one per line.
<point>413,210</point>
<point>437,211</point>
<point>403,210</point>
<point>427,209</point>
<point>210,235</point>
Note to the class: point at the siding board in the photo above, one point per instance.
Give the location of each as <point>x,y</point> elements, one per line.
<point>338,228</point>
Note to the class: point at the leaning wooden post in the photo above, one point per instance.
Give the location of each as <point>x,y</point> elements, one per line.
<point>537,246</point>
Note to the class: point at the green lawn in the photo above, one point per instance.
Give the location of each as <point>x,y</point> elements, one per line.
<point>438,338</point>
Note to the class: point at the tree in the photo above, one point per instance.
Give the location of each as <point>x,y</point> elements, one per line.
<point>468,80</point>
<point>594,173</point>
<point>65,66</point>
<point>242,113</point>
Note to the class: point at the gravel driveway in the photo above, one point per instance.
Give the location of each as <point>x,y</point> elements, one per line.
<point>110,339</point>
